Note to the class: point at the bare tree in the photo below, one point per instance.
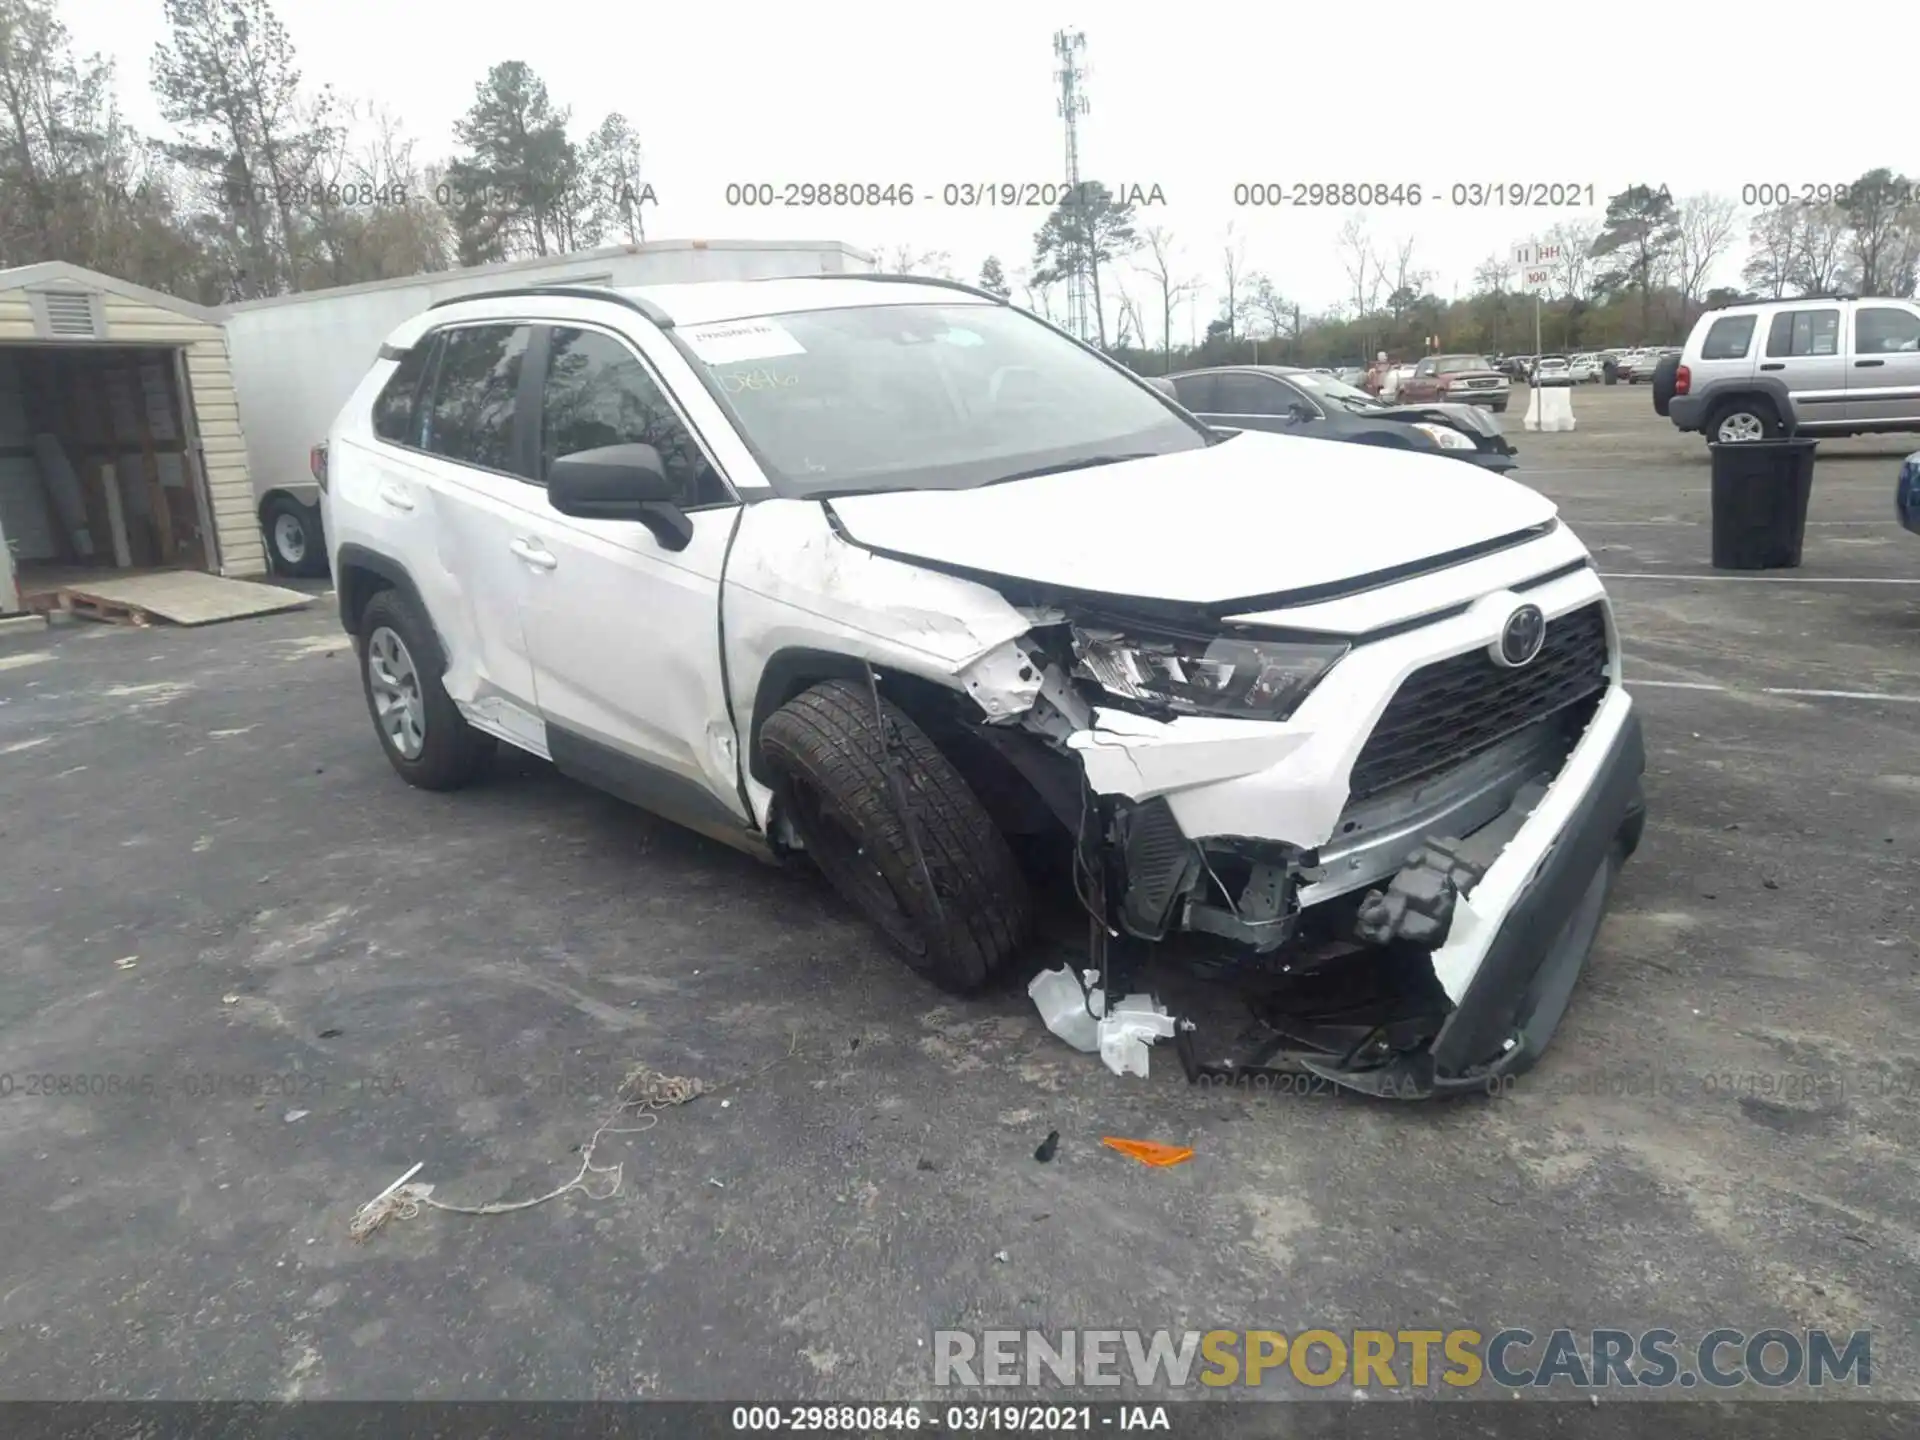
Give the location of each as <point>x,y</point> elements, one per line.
<point>1707,226</point>
<point>910,260</point>
<point>1130,331</point>
<point>1408,276</point>
<point>1036,293</point>
<point>1162,266</point>
<point>1493,276</point>
<point>1276,315</point>
<point>1772,242</point>
<point>1822,263</point>
<point>1364,271</point>
<point>1572,270</point>
<point>1233,303</point>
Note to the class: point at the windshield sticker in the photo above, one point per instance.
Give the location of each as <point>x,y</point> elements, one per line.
<point>733,341</point>
<point>965,339</point>
<point>741,382</point>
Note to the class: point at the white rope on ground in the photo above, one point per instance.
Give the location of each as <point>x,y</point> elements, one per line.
<point>648,1091</point>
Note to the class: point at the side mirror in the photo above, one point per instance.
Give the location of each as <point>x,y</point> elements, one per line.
<point>621,482</point>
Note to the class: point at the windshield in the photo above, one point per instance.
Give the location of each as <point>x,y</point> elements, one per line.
<point>924,397</point>
<point>1335,392</point>
<point>1454,364</point>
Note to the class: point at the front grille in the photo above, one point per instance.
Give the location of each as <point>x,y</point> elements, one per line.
<point>1449,711</point>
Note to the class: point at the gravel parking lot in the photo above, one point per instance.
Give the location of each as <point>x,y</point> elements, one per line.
<point>282,978</point>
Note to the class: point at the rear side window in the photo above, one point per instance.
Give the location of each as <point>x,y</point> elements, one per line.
<point>1249,395</point>
<point>1195,392</point>
<point>598,393</point>
<point>1883,330</point>
<point>1804,332</point>
<point>393,408</point>
<point>470,418</point>
<point>1729,338</point>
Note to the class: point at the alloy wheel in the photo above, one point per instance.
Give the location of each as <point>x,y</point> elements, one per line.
<point>397,701</point>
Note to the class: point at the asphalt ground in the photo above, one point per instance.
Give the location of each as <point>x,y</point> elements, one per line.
<point>265,979</point>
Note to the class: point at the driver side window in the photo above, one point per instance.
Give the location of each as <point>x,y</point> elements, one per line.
<point>1427,367</point>
<point>599,393</point>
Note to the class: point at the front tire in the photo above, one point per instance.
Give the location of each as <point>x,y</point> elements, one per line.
<point>832,751</point>
<point>294,540</point>
<point>427,740</point>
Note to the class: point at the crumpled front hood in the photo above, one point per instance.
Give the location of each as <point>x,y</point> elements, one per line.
<point>1469,418</point>
<point>1257,515</point>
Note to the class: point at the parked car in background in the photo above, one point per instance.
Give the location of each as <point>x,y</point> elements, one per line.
<point>1585,368</point>
<point>1552,370</point>
<point>1304,402</point>
<point>1906,493</point>
<point>1456,379</point>
<point>1818,366</point>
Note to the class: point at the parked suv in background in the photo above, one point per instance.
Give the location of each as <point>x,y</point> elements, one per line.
<point>1823,366</point>
<point>886,572</point>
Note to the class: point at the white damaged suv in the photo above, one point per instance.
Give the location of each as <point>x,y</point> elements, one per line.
<point>888,572</point>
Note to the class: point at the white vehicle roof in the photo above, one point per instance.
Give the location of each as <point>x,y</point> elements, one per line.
<point>702,302</point>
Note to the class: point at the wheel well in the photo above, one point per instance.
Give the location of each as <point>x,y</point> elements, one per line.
<point>268,500</point>
<point>1015,804</point>
<point>356,586</point>
<point>1758,399</point>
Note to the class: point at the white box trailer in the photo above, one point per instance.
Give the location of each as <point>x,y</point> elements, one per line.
<point>297,358</point>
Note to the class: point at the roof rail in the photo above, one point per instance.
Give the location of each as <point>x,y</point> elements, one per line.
<point>890,279</point>
<point>574,292</point>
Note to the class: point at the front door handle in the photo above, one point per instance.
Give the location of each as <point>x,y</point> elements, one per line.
<point>530,551</point>
<point>1775,365</point>
<point>397,498</point>
<point>1867,364</point>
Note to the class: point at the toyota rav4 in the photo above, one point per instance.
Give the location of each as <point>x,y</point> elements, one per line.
<point>891,574</point>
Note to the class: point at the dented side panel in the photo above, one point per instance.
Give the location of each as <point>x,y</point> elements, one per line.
<point>792,583</point>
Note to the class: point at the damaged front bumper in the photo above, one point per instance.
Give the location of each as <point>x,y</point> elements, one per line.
<point>1518,941</point>
<point>1471,949</point>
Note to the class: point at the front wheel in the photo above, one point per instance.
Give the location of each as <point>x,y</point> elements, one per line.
<point>939,880</point>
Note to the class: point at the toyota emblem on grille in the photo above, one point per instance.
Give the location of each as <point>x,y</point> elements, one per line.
<point>1521,637</point>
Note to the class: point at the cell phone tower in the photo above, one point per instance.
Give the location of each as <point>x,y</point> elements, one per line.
<point>1068,48</point>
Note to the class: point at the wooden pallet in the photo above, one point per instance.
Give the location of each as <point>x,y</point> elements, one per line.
<point>83,606</point>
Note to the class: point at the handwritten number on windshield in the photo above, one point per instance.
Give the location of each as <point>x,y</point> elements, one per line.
<point>739,382</point>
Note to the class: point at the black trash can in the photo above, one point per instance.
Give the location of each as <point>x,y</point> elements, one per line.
<point>1760,491</point>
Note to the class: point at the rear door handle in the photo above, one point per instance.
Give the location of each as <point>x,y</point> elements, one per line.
<point>398,499</point>
<point>530,551</point>
<point>1777,365</point>
<point>1867,364</point>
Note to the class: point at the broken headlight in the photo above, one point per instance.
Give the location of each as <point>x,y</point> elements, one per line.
<point>1200,675</point>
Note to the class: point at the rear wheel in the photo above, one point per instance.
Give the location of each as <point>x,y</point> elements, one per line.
<point>293,538</point>
<point>1738,422</point>
<point>939,881</point>
<point>426,738</point>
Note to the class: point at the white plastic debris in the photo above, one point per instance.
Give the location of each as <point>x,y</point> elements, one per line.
<point>1134,1024</point>
<point>1070,1008</point>
<point>1075,1009</point>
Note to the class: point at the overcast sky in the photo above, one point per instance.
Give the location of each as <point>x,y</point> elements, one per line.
<point>1194,98</point>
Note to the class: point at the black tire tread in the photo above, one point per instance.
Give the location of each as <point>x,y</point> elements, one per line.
<point>315,563</point>
<point>831,737</point>
<point>454,751</point>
